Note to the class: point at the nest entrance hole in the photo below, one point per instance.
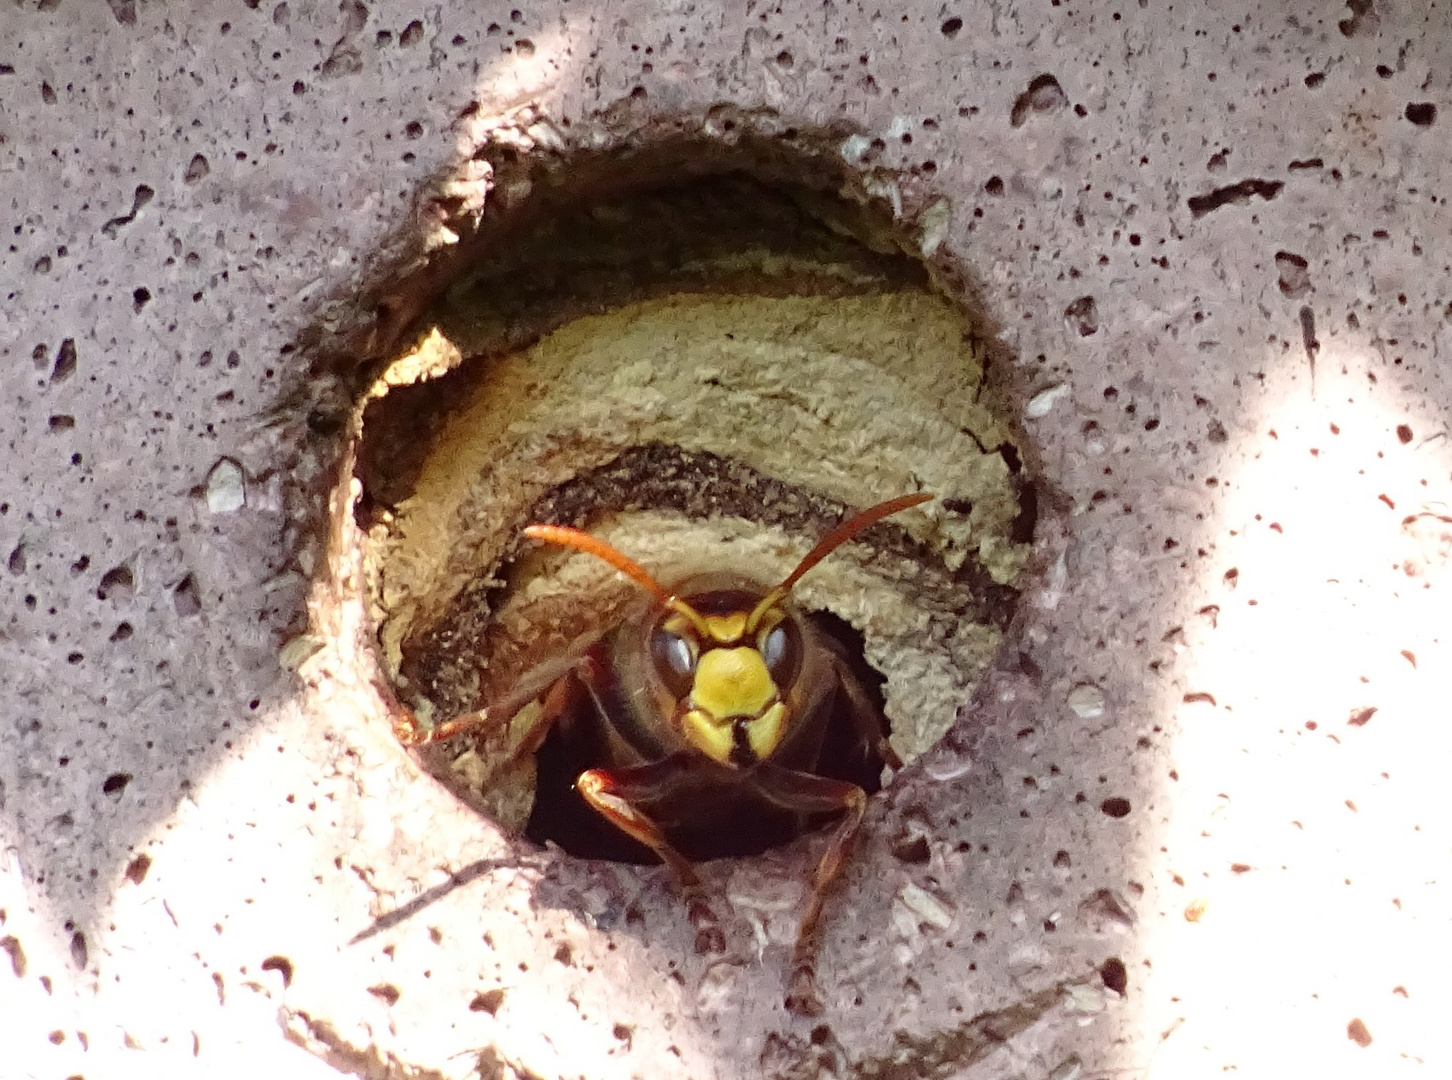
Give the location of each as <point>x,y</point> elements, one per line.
<point>709,356</point>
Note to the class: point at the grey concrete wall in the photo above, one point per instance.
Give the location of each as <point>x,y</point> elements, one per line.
<point>1217,244</point>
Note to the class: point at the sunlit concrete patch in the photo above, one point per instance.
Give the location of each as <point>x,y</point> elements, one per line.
<point>275,884</point>
<point>1303,830</point>
<point>190,913</point>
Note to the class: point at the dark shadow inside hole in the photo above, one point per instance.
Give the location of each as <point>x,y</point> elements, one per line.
<point>1022,529</point>
<point>575,744</point>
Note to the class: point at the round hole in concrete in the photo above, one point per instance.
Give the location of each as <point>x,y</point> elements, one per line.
<point>708,357</point>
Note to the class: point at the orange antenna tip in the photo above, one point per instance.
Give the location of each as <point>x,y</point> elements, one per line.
<point>846,531</point>
<point>592,545</point>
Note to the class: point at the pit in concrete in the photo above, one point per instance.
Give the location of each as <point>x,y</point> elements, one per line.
<point>708,357</point>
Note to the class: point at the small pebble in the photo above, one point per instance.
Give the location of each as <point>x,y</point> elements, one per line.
<point>1043,402</point>
<point>226,487</point>
<point>1087,701</point>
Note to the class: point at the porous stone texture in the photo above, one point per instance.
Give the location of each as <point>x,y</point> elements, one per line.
<point>1191,822</point>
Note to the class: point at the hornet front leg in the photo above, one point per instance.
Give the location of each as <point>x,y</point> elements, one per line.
<point>805,793</point>
<point>621,797</point>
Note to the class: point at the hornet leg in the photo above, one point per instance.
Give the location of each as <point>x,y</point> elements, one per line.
<point>618,795</point>
<point>805,793</point>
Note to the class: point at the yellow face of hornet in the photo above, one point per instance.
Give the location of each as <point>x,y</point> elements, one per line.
<point>730,673</point>
<point>726,662</point>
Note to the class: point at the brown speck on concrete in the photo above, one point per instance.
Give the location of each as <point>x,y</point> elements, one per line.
<point>10,945</point>
<point>487,1001</point>
<point>1082,316</point>
<point>1421,113</point>
<point>137,868</point>
<point>1295,277</point>
<point>1309,342</point>
<point>1044,95</point>
<point>1234,194</point>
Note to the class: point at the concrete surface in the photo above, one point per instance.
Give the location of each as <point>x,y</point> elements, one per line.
<point>1170,839</point>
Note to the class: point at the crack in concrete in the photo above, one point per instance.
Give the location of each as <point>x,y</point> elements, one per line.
<point>319,1038</point>
<point>952,1050</point>
<point>457,879</point>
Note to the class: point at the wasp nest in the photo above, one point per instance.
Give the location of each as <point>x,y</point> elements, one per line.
<point>706,377</point>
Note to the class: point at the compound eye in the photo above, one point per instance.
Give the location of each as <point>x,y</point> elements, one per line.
<point>774,648</point>
<point>675,660</point>
<point>781,648</point>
